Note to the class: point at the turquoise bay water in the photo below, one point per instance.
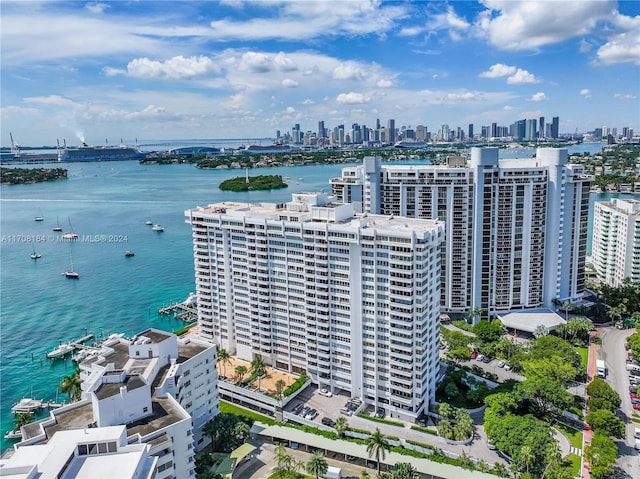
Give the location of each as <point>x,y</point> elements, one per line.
<point>39,307</point>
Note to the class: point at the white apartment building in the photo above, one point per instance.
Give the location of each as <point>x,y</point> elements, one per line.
<point>352,300</point>
<point>615,246</point>
<point>98,453</point>
<point>515,229</point>
<point>161,388</point>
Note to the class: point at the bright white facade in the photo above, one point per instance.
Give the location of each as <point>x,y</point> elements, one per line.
<point>310,286</point>
<point>615,247</point>
<point>161,388</point>
<point>515,229</point>
<point>99,453</point>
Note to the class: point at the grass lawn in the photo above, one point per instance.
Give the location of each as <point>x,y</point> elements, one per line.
<point>584,356</point>
<point>575,437</point>
<point>289,475</point>
<point>240,411</point>
<point>576,464</point>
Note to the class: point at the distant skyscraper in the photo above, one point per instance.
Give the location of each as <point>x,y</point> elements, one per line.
<point>541,127</point>
<point>421,133</point>
<point>531,130</point>
<point>555,127</point>
<point>471,131</point>
<point>321,131</point>
<point>391,127</point>
<point>494,128</point>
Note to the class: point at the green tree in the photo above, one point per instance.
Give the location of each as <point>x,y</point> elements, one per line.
<point>474,313</point>
<point>602,396</point>
<point>566,306</point>
<point>488,331</point>
<point>445,428</point>
<point>540,331</point>
<point>526,457</point>
<point>605,422</point>
<point>545,393</point>
<point>446,410</point>
<point>579,329</point>
<point>317,465</point>
<point>224,358</point>
<point>240,372</point>
<point>364,474</point>
<point>280,385</point>
<point>284,461</point>
<point>464,425</point>
<point>377,446</point>
<point>341,426</point>
<point>22,419</point>
<point>258,368</point>
<point>72,386</point>
<point>461,353</point>
<point>404,470</point>
<point>602,453</point>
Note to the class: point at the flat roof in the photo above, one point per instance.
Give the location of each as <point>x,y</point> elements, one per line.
<point>424,466</point>
<point>529,319</point>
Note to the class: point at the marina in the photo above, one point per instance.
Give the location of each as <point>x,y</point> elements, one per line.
<point>66,348</point>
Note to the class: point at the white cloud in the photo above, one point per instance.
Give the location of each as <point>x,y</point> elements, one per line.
<point>516,76</point>
<point>624,96</point>
<point>351,98</point>
<point>349,71</point>
<point>585,92</point>
<point>175,68</point>
<point>96,7</point>
<point>540,96</point>
<point>289,83</point>
<point>529,25</point>
<point>308,101</point>
<point>306,20</point>
<point>450,22</point>
<point>384,83</point>
<point>498,70</point>
<point>623,45</point>
<point>521,77</point>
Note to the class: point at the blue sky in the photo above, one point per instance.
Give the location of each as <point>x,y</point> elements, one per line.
<point>240,69</point>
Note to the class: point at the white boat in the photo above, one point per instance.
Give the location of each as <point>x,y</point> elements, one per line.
<point>71,273</point>
<point>27,405</point>
<point>157,228</point>
<point>57,227</point>
<point>35,255</point>
<point>81,355</point>
<point>61,350</point>
<point>129,253</point>
<point>148,222</point>
<point>70,235</point>
<point>39,217</point>
<point>15,434</point>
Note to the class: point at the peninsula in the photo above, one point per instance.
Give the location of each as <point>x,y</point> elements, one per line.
<point>19,176</point>
<point>253,183</point>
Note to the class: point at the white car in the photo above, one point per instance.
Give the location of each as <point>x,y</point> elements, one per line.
<point>326,392</point>
<point>500,364</point>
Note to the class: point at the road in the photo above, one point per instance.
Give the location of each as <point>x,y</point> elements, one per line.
<point>614,355</point>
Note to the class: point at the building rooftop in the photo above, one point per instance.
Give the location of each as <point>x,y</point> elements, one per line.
<point>107,390</point>
<point>529,319</point>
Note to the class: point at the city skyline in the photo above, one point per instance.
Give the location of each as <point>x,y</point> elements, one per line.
<point>233,69</point>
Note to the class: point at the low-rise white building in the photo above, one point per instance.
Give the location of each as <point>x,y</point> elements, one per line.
<point>96,453</point>
<point>161,388</point>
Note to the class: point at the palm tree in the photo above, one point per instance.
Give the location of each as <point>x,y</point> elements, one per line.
<point>364,474</point>
<point>473,313</point>
<point>283,460</point>
<point>258,368</point>
<point>341,426</point>
<point>71,385</point>
<point>22,419</point>
<point>317,465</point>
<point>280,385</point>
<point>377,445</point>
<point>566,305</point>
<point>526,457</point>
<point>240,372</point>
<point>404,470</point>
<point>224,358</point>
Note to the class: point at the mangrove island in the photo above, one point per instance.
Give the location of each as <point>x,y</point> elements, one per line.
<point>253,183</point>
<point>20,176</point>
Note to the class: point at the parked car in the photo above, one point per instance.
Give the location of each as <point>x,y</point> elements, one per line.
<point>501,364</point>
<point>327,421</point>
<point>507,367</point>
<point>486,359</point>
<point>305,411</point>
<point>380,412</point>
<point>636,407</point>
<point>633,389</point>
<point>297,408</point>
<point>326,392</point>
<point>311,415</point>
<point>479,357</point>
<point>632,395</point>
<point>491,445</point>
<point>474,354</point>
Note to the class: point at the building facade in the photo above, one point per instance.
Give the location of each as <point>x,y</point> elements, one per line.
<point>516,230</point>
<point>353,300</point>
<point>161,388</point>
<point>615,246</point>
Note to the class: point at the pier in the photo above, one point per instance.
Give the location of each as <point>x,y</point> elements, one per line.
<point>181,311</point>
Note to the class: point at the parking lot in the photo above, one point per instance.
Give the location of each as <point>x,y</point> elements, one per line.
<point>324,406</point>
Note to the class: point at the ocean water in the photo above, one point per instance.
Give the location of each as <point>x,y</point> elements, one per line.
<point>106,204</point>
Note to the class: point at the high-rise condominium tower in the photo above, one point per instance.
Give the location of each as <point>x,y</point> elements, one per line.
<point>516,230</point>
<point>615,250</point>
<point>354,300</point>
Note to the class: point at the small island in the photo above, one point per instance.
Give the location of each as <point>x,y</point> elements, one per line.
<point>253,183</point>
<point>20,176</point>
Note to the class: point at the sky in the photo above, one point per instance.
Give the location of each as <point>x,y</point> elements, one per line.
<point>106,71</point>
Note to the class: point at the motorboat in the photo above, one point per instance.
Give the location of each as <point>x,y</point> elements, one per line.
<point>129,254</point>
<point>157,228</point>
<point>27,405</point>
<point>15,434</point>
<point>61,350</point>
<point>35,255</point>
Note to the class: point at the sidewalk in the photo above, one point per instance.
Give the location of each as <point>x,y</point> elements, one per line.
<point>591,373</point>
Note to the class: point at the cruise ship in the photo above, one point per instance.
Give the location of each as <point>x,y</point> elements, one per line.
<point>85,152</point>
